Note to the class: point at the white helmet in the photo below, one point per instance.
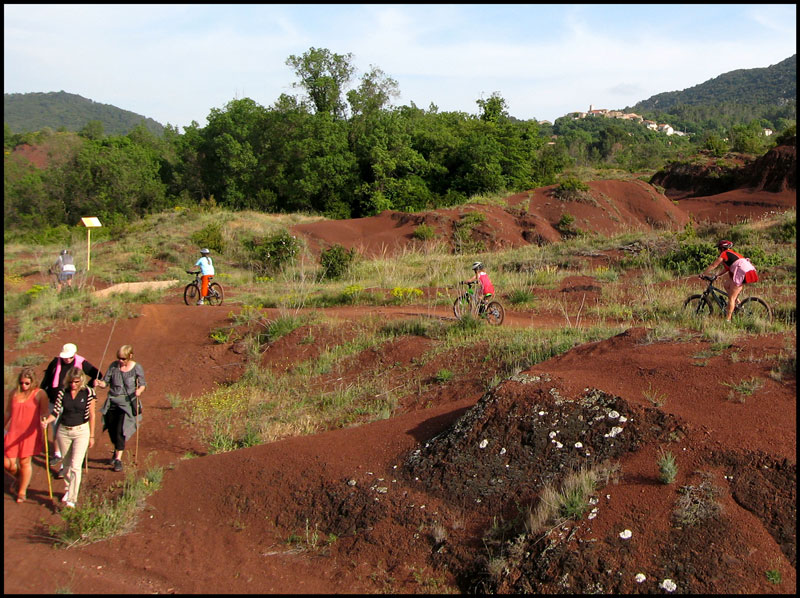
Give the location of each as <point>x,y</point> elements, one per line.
<point>477,266</point>
<point>204,251</point>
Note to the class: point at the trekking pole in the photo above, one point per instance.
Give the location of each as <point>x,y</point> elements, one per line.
<point>138,423</point>
<point>47,465</point>
<point>102,359</point>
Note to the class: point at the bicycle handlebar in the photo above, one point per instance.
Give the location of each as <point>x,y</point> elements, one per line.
<point>709,278</point>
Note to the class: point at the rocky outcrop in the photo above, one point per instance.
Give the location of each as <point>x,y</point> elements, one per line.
<point>775,171</point>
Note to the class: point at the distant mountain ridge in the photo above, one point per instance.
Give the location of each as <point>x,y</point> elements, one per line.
<point>773,85</point>
<point>29,112</point>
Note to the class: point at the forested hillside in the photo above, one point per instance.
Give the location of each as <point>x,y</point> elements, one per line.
<point>767,95</point>
<point>339,148</point>
<point>774,85</point>
<point>28,112</point>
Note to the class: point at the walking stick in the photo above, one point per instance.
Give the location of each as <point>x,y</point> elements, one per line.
<point>47,465</point>
<point>102,359</point>
<point>138,424</point>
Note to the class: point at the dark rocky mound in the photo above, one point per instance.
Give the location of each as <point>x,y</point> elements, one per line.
<point>775,171</point>
<point>525,434</point>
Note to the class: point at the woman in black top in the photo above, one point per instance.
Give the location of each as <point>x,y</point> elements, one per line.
<point>74,409</point>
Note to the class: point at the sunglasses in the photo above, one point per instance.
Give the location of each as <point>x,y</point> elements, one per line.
<point>23,383</point>
<point>123,358</point>
<point>75,382</point>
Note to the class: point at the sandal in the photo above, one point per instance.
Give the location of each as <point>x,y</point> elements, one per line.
<point>21,498</point>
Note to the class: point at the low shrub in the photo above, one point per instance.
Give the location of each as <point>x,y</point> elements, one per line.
<point>573,189</point>
<point>210,237</point>
<point>272,254</point>
<point>691,258</point>
<point>667,469</point>
<point>424,232</point>
<point>336,261</point>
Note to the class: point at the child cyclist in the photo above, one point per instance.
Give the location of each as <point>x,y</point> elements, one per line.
<point>486,288</point>
<point>207,273</point>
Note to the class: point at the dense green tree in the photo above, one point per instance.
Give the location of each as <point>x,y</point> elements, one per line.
<point>374,93</point>
<point>493,109</point>
<point>324,75</point>
<point>92,130</point>
<point>229,153</point>
<point>748,139</point>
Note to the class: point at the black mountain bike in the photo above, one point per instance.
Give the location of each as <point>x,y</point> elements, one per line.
<point>751,308</point>
<point>191,294</point>
<point>469,303</point>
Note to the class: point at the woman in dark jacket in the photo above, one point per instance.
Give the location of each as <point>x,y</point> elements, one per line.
<point>54,377</point>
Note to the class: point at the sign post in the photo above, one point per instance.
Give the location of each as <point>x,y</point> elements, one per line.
<point>89,223</point>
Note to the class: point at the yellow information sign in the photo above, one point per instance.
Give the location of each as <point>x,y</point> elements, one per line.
<point>90,223</point>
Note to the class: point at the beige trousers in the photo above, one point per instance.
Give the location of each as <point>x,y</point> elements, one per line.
<point>73,443</point>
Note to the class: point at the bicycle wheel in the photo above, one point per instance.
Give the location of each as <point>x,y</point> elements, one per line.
<point>754,308</point>
<point>698,305</point>
<point>214,294</point>
<point>461,306</point>
<point>495,313</point>
<point>191,294</point>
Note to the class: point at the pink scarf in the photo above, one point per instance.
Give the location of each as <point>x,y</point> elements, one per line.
<point>78,364</point>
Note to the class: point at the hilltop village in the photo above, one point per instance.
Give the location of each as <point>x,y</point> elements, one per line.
<point>650,124</point>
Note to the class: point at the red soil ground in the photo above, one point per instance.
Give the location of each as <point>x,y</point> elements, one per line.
<point>411,498</point>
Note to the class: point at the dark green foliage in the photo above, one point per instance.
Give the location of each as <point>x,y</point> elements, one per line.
<point>571,189</point>
<point>690,258</point>
<point>759,257</point>
<point>788,136</point>
<point>715,145</point>
<point>271,254</point>
<point>336,261</point>
<point>784,232</point>
<point>424,232</point>
<point>210,237</point>
<point>566,225</point>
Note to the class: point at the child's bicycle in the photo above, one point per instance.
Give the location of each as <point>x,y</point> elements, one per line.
<point>469,303</point>
<point>751,308</point>
<point>191,294</point>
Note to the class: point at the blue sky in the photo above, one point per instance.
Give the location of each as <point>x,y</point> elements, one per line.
<point>174,63</point>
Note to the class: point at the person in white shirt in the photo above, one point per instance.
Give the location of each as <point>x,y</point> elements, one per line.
<point>207,271</point>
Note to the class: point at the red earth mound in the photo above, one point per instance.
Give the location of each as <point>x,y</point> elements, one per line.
<point>609,207</point>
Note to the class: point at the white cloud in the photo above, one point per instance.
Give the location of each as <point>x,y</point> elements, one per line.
<point>176,62</point>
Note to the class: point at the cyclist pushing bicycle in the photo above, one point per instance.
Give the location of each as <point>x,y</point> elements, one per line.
<point>740,271</point>
<point>486,289</point>
<point>207,272</point>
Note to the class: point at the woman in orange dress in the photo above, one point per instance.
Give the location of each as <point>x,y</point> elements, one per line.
<point>22,439</point>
